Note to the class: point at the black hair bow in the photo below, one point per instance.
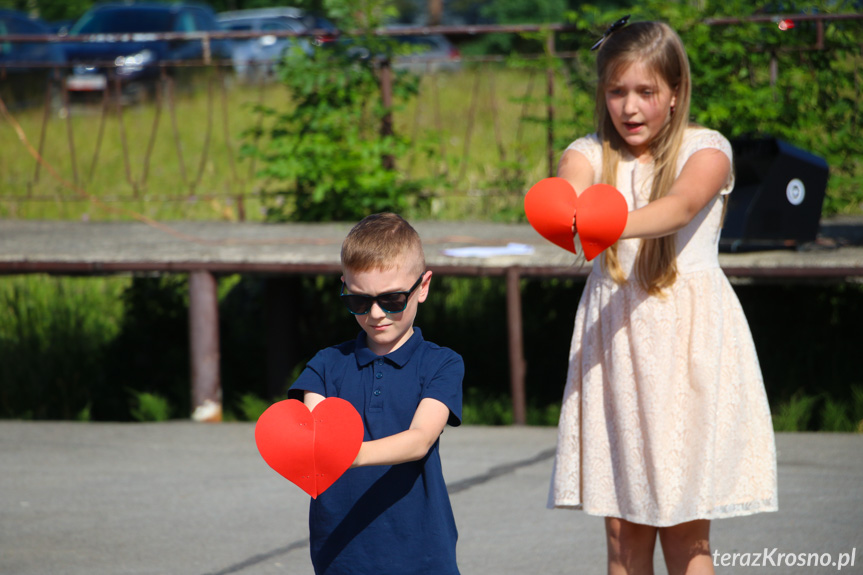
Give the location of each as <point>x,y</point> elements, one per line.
<point>611,29</point>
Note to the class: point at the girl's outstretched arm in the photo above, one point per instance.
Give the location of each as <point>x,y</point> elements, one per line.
<point>703,176</point>
<point>575,169</point>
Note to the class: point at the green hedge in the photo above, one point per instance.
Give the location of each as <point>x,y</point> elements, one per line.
<point>117,348</point>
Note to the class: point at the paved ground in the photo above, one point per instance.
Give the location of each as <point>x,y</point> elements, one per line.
<point>183,498</point>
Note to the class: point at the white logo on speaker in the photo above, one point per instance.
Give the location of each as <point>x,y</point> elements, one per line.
<point>795,192</point>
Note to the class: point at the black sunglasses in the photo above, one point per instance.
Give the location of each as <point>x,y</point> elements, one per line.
<point>391,302</point>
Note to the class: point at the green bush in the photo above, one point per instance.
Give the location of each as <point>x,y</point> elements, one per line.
<point>843,416</point>
<point>55,333</point>
<point>326,157</point>
<point>795,414</point>
<point>150,407</point>
<point>251,406</point>
<point>482,409</point>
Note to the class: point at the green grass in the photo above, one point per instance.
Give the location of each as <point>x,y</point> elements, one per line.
<point>483,126</point>
<point>477,172</point>
<point>163,188</point>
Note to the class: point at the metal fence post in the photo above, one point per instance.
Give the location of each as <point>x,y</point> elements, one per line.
<point>516,346</point>
<point>386,79</point>
<point>204,347</point>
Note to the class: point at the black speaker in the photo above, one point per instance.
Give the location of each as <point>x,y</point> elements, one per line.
<point>777,198</point>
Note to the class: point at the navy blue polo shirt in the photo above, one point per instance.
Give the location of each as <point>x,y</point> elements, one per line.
<point>396,519</point>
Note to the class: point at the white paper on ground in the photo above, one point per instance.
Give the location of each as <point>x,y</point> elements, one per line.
<point>511,249</point>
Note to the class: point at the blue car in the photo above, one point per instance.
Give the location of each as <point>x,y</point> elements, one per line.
<point>27,67</point>
<point>256,58</point>
<point>134,58</point>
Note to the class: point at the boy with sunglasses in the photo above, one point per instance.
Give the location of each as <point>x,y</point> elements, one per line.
<point>390,513</point>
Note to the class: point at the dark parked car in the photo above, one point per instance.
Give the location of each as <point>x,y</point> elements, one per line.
<point>26,67</point>
<point>135,59</point>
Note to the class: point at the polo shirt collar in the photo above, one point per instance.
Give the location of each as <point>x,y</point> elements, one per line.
<point>399,357</point>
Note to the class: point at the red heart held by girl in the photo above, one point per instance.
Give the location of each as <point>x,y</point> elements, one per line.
<point>311,449</point>
<point>601,214</point>
<point>600,211</point>
<point>549,206</point>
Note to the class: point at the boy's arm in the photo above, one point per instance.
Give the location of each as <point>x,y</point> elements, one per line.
<point>411,445</point>
<point>311,399</point>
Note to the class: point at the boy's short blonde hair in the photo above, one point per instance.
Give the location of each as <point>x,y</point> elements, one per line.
<point>382,242</point>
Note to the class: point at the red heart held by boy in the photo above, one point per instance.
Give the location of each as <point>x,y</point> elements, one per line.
<point>311,449</point>
<point>601,214</point>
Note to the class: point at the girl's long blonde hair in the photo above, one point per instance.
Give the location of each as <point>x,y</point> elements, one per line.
<point>660,50</point>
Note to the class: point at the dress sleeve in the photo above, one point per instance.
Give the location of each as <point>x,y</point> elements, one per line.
<point>444,383</point>
<point>700,139</point>
<point>591,148</point>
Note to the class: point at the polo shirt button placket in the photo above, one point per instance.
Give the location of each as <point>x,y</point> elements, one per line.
<point>379,375</point>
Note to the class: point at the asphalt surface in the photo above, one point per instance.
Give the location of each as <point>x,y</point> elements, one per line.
<point>184,498</point>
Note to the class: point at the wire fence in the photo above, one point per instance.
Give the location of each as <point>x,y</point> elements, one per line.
<point>173,148</point>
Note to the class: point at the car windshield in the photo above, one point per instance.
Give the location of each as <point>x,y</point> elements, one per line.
<point>128,20</point>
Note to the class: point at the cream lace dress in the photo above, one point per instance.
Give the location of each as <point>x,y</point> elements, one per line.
<point>664,417</point>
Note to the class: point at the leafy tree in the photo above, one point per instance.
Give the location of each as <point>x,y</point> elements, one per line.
<point>330,155</point>
<point>50,10</point>
<point>516,12</point>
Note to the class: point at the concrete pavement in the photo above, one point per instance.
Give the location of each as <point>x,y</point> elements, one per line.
<point>183,498</point>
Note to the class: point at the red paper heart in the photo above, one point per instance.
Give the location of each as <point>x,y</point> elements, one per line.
<point>601,213</point>
<point>310,448</point>
<point>600,210</point>
<point>549,206</point>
